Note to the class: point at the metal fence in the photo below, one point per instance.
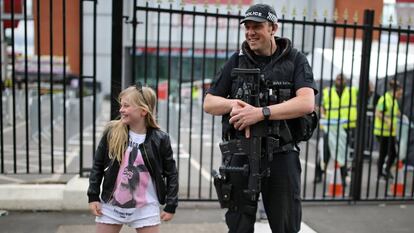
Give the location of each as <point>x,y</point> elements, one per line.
<point>52,115</point>
<point>49,106</point>
<point>178,50</point>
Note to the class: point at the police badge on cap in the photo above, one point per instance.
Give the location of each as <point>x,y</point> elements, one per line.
<point>260,13</point>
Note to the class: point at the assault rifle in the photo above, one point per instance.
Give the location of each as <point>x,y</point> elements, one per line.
<point>254,90</point>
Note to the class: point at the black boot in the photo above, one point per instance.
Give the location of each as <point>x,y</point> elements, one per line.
<point>318,174</point>
<point>344,174</point>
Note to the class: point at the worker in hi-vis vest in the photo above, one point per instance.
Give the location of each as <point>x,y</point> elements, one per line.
<point>385,127</point>
<point>339,106</point>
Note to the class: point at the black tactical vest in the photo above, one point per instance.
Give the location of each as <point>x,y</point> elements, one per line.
<point>280,68</point>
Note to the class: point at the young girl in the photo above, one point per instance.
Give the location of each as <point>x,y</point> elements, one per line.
<point>135,161</point>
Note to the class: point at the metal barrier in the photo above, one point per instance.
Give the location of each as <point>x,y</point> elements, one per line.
<point>46,102</point>
<point>178,51</point>
<point>196,40</point>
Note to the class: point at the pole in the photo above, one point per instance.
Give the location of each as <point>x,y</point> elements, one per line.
<point>116,56</point>
<point>362,105</point>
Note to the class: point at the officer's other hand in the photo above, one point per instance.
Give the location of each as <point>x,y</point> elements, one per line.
<point>165,216</point>
<point>237,104</point>
<point>95,208</point>
<point>244,117</point>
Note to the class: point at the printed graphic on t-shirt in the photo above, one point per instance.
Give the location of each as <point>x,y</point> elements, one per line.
<point>134,186</point>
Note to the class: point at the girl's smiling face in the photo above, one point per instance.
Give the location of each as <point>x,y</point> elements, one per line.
<point>131,114</point>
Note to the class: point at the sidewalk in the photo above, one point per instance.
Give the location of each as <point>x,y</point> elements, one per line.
<point>323,218</point>
<point>63,208</point>
<point>70,197</point>
<point>187,220</point>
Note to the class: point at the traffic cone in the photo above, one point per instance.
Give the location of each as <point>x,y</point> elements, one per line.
<point>397,189</point>
<point>335,188</point>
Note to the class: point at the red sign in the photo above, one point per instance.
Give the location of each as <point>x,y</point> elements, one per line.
<point>17,9</point>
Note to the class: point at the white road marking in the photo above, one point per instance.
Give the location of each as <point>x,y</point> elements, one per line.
<point>263,227</point>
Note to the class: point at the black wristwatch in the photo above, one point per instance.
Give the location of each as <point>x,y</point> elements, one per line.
<point>266,113</point>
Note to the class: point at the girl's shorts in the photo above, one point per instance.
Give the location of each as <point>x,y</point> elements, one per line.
<point>133,217</point>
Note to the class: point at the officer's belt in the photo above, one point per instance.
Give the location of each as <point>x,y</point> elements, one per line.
<point>285,148</point>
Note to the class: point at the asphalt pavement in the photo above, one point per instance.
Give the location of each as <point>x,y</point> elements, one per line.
<point>206,217</point>
<point>360,217</point>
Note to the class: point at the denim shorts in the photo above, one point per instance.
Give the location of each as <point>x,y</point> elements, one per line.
<point>133,217</point>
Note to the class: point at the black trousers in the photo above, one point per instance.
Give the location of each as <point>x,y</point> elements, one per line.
<point>387,147</point>
<point>280,192</point>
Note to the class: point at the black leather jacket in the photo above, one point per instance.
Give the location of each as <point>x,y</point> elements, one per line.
<point>158,158</point>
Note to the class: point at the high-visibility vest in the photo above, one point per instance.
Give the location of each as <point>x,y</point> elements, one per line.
<point>342,107</point>
<point>194,92</point>
<point>389,108</point>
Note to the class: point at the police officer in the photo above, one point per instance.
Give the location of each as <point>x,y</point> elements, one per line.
<point>278,61</point>
<point>385,127</point>
<point>339,103</point>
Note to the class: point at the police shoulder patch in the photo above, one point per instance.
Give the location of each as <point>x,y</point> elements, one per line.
<point>307,70</point>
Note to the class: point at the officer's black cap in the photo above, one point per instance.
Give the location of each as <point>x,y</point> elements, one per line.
<point>260,13</point>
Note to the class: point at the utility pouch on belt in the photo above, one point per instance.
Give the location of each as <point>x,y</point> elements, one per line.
<point>302,128</point>
<point>223,190</point>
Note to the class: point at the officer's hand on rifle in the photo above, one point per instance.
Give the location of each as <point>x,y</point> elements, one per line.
<point>243,117</point>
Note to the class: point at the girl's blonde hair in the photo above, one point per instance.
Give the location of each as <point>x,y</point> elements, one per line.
<point>142,97</point>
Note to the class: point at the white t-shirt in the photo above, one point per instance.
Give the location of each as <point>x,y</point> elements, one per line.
<point>134,187</point>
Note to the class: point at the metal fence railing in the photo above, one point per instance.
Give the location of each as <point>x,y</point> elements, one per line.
<point>180,49</point>
<point>52,108</point>
<point>48,102</point>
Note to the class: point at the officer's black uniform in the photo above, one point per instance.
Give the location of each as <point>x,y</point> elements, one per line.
<point>281,190</point>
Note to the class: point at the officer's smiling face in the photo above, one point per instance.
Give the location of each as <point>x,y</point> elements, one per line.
<point>258,36</point>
